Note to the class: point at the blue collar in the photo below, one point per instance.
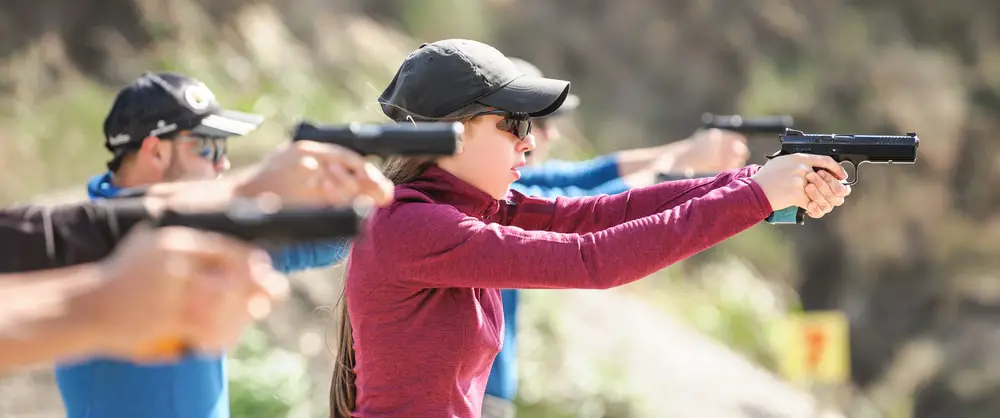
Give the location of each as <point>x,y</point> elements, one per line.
<point>100,187</point>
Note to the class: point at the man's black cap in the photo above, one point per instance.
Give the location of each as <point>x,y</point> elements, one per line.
<point>531,70</point>
<point>162,104</point>
<point>442,77</point>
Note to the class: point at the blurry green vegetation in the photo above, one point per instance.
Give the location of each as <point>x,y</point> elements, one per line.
<point>56,139</point>
<point>266,381</point>
<point>431,20</point>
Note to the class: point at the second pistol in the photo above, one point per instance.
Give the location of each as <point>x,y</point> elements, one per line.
<point>386,139</point>
<point>747,125</point>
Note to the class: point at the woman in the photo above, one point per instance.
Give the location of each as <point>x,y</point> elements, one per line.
<point>423,317</point>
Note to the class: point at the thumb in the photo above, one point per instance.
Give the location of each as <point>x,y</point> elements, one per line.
<point>826,163</point>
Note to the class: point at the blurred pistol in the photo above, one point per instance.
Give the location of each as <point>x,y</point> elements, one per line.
<point>735,123</point>
<point>252,222</point>
<point>408,138</point>
<point>748,126</point>
<point>854,149</point>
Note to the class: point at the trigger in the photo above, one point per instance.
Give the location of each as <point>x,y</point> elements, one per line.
<point>850,180</point>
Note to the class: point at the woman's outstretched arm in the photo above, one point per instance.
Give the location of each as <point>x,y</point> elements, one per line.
<point>445,248</point>
<point>592,214</point>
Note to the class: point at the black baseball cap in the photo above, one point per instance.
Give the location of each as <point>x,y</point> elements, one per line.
<point>442,77</point>
<point>531,70</point>
<point>163,104</point>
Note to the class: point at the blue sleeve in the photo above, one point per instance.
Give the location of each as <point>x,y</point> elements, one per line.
<point>614,186</point>
<point>502,382</point>
<point>584,174</point>
<point>310,255</point>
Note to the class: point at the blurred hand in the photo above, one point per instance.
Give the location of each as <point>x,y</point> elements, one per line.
<point>711,151</point>
<point>173,287</point>
<point>314,174</point>
<point>791,180</point>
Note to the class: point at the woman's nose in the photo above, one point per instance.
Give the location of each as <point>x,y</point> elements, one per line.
<point>526,144</point>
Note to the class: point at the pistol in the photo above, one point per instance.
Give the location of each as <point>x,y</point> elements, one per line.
<point>853,149</point>
<point>410,139</point>
<point>254,223</point>
<point>748,125</point>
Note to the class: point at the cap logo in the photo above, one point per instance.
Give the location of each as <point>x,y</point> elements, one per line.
<point>118,140</point>
<point>162,127</point>
<point>198,96</point>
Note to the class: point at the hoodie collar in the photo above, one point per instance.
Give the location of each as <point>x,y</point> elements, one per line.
<point>446,188</point>
<point>101,187</point>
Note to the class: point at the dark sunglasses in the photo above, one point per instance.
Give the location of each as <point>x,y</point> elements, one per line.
<point>516,124</point>
<point>210,148</point>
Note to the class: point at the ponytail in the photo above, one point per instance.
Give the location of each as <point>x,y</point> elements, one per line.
<point>342,388</point>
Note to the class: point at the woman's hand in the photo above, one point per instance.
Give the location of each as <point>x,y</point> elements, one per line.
<point>825,193</point>
<point>793,180</point>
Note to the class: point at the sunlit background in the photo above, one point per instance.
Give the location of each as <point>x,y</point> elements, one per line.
<point>909,259</point>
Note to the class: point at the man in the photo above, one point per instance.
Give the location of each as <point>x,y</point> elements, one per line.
<point>72,305</point>
<point>167,127</point>
<point>704,152</point>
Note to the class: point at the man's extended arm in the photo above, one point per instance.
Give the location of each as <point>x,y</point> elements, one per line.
<point>310,255</point>
<point>706,151</point>
<point>42,237</point>
<point>40,319</point>
<point>614,186</point>
<point>583,174</point>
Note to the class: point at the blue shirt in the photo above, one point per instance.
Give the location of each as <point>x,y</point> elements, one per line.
<point>194,387</point>
<point>551,179</point>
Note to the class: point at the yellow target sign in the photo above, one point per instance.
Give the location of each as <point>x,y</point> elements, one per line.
<point>814,347</point>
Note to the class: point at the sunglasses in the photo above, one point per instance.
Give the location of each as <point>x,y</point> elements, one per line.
<point>210,148</point>
<point>517,124</point>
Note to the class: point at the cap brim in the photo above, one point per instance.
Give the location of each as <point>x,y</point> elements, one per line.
<point>568,106</point>
<point>226,123</point>
<point>536,96</point>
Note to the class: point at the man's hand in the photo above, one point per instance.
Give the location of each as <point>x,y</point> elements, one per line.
<point>172,286</point>
<point>313,174</point>
<point>706,151</point>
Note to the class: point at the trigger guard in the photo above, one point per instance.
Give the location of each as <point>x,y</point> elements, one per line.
<point>856,172</point>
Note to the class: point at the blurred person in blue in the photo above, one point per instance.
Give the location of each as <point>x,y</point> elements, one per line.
<point>705,152</point>
<point>167,127</point>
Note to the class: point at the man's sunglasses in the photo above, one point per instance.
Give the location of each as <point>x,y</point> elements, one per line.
<point>517,124</point>
<point>210,148</point>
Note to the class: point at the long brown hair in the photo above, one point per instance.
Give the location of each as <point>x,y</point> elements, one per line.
<point>400,170</point>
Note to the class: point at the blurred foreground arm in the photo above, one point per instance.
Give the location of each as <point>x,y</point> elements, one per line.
<point>159,284</point>
<point>305,173</point>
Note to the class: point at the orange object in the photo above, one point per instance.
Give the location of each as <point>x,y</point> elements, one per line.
<point>814,347</point>
<point>163,348</point>
<point>815,344</point>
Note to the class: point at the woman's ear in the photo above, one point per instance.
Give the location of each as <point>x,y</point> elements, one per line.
<point>466,134</point>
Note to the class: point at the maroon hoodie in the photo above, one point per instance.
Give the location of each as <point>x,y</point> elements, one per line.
<point>423,279</point>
